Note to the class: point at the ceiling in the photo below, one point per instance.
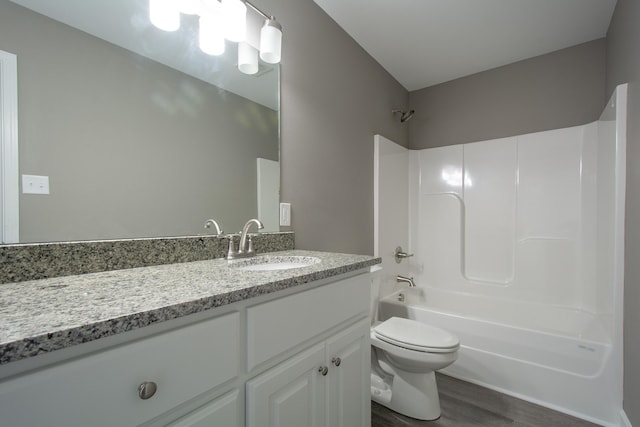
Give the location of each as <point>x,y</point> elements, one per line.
<point>425,42</point>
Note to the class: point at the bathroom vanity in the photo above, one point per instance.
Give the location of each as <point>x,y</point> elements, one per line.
<point>191,344</point>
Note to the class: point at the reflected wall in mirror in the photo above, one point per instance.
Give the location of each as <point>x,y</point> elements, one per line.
<point>132,144</point>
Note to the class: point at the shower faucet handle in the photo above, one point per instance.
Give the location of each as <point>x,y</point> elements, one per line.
<point>400,254</point>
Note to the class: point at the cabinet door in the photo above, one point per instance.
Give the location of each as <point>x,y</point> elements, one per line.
<point>222,412</point>
<point>348,390</point>
<point>291,394</point>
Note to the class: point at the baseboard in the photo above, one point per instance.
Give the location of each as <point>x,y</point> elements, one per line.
<point>624,421</point>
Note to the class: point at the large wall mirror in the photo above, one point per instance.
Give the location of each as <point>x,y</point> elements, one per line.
<point>139,132</point>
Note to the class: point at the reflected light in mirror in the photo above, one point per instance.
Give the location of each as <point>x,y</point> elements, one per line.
<point>235,20</point>
<point>247,58</point>
<point>190,7</point>
<point>210,34</point>
<point>164,14</point>
<point>228,19</point>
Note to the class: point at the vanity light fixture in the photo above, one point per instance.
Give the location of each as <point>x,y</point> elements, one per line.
<point>220,20</point>
<point>211,36</point>
<point>190,7</point>
<point>270,40</point>
<point>164,14</point>
<point>247,58</point>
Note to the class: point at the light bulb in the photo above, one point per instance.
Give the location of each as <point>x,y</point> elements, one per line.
<point>271,41</point>
<point>247,58</point>
<point>211,39</point>
<point>190,7</point>
<point>164,14</point>
<point>234,14</point>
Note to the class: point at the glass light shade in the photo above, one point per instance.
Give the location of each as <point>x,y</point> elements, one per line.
<point>211,38</point>
<point>164,14</point>
<point>247,58</point>
<point>235,20</point>
<point>271,41</point>
<point>190,7</point>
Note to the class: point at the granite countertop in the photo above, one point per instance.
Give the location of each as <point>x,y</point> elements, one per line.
<point>41,316</point>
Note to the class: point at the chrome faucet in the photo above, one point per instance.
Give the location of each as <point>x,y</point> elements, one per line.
<point>404,279</point>
<point>213,222</point>
<point>245,247</point>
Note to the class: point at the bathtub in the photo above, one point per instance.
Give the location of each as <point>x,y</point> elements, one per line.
<point>553,356</point>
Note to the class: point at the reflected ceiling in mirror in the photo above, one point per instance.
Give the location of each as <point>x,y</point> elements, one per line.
<point>140,133</point>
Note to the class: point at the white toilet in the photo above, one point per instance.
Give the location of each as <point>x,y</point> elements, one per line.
<point>405,353</point>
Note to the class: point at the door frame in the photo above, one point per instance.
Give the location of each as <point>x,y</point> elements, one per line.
<point>9,183</point>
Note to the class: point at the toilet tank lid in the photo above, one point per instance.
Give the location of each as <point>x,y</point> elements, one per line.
<point>416,334</point>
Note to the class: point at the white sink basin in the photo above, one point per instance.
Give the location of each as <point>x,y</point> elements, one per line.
<point>274,263</point>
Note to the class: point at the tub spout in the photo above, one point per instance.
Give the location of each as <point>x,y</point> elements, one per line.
<point>409,280</point>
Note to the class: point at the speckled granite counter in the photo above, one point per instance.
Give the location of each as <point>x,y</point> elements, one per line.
<point>41,316</point>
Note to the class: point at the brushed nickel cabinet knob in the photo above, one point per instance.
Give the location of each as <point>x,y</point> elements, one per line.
<point>147,389</point>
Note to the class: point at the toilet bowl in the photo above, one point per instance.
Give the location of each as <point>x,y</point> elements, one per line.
<point>405,355</point>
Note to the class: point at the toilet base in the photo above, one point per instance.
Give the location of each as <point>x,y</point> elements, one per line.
<point>415,396</point>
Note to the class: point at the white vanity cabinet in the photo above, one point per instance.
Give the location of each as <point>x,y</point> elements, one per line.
<point>223,411</point>
<point>102,389</point>
<point>295,358</point>
<point>327,382</point>
<point>324,385</point>
<point>349,357</point>
<point>290,394</point>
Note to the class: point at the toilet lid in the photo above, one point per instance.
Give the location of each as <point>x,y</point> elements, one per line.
<point>416,336</point>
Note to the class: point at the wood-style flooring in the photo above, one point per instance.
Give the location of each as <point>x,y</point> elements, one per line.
<point>466,404</point>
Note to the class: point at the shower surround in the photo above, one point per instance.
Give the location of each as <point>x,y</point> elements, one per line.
<point>518,247</point>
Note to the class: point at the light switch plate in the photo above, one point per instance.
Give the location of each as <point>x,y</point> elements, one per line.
<point>35,184</point>
<point>285,214</point>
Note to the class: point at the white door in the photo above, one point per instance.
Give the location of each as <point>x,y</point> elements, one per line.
<point>348,393</point>
<point>268,173</point>
<point>291,394</point>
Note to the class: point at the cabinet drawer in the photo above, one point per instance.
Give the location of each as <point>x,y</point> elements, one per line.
<point>277,326</point>
<point>222,412</point>
<point>102,389</point>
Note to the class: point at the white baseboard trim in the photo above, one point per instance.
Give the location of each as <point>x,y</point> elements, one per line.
<point>624,421</point>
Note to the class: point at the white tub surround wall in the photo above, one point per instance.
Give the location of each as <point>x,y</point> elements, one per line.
<point>527,232</point>
<point>391,214</point>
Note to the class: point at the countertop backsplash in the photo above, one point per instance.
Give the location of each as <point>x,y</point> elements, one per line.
<point>24,262</point>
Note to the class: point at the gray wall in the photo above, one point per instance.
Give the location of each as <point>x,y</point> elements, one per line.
<point>132,148</point>
<point>623,65</point>
<point>556,90</point>
<point>335,97</point>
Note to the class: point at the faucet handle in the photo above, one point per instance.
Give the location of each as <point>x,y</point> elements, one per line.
<point>231,252</point>
<point>213,222</point>
<point>250,250</point>
<point>400,254</point>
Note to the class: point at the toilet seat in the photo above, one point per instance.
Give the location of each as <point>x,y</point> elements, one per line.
<point>417,336</point>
